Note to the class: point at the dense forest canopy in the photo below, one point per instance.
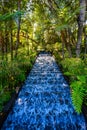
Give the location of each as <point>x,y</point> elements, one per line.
<point>44,22</point>
<point>58,26</point>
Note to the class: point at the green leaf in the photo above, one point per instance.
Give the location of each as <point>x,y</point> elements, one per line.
<point>76,84</point>
<point>67,73</point>
<point>61,27</point>
<point>82,78</point>
<point>77,98</point>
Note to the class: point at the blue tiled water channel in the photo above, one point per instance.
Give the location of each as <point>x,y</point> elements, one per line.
<point>44,103</point>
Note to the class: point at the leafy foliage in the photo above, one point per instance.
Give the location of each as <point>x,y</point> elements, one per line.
<point>78,93</point>
<point>4,97</point>
<point>76,69</point>
<point>49,25</point>
<point>12,74</point>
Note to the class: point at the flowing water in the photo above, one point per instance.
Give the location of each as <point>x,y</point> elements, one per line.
<point>44,103</point>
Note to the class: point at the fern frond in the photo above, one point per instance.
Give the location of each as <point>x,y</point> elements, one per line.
<point>77,98</point>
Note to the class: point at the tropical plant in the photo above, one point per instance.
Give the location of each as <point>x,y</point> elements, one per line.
<point>76,70</point>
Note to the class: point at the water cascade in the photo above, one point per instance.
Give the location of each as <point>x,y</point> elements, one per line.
<point>44,102</point>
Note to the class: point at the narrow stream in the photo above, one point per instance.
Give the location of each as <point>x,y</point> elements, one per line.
<point>44,103</point>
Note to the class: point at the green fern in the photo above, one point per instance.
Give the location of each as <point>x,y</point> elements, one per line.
<point>77,95</point>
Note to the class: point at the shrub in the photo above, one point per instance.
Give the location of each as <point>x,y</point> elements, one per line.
<point>3,73</point>
<point>15,76</point>
<point>12,74</point>
<point>4,97</point>
<point>76,69</point>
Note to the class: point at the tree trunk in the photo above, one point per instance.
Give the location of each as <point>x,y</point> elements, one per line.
<point>2,45</point>
<point>11,44</point>
<point>6,41</point>
<point>86,47</point>
<point>81,20</point>
<point>62,45</point>
<point>65,41</point>
<point>18,31</point>
<point>27,37</point>
<point>85,41</point>
<point>85,35</point>
<point>69,41</point>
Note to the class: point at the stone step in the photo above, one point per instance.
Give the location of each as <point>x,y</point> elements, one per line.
<point>44,103</point>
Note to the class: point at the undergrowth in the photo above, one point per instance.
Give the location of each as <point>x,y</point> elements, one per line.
<point>75,69</point>
<point>13,74</point>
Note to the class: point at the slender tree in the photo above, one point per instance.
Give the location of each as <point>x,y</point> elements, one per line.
<point>18,28</point>
<point>81,20</point>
